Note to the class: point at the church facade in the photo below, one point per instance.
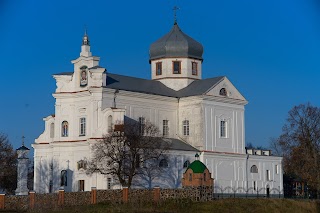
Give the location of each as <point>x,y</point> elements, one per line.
<point>195,115</point>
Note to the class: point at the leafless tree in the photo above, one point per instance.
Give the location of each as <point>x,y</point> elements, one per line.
<point>8,165</point>
<point>299,144</point>
<point>124,152</point>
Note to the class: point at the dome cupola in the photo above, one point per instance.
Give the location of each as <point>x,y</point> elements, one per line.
<point>176,44</point>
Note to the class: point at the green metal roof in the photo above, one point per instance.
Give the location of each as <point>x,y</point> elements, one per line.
<point>197,166</point>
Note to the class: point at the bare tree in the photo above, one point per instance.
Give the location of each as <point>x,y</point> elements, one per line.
<point>8,165</point>
<point>123,152</point>
<point>299,144</point>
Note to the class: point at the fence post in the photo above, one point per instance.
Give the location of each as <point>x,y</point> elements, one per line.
<point>32,199</point>
<point>61,197</point>
<point>2,197</point>
<point>156,194</point>
<point>125,194</point>
<point>93,195</point>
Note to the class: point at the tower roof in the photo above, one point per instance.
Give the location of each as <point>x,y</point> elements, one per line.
<point>197,166</point>
<point>176,44</point>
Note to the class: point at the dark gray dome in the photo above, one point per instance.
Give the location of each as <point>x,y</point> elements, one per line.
<point>176,44</point>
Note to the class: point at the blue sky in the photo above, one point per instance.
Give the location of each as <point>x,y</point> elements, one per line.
<point>269,49</point>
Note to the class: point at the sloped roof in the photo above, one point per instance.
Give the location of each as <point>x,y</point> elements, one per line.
<point>176,144</point>
<point>23,148</point>
<point>197,87</point>
<point>133,84</point>
<point>197,166</point>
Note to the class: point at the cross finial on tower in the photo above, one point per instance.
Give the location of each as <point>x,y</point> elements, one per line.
<point>85,30</point>
<point>85,40</point>
<point>175,8</point>
<point>23,140</point>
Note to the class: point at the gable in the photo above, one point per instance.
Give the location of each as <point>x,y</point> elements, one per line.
<point>230,89</point>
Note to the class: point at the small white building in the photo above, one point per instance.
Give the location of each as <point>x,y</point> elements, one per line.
<point>196,115</point>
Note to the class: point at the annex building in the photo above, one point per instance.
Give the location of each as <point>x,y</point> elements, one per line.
<point>195,115</point>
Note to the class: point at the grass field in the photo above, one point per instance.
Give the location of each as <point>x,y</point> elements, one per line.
<point>224,205</point>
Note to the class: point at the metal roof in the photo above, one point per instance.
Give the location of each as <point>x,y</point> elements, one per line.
<point>176,144</point>
<point>133,84</point>
<point>176,44</point>
<point>127,83</point>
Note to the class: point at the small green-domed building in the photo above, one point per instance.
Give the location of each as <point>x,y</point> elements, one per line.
<point>197,174</point>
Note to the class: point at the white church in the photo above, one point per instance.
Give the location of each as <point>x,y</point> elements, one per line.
<point>195,115</point>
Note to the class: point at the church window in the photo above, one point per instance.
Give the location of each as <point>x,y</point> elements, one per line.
<point>176,67</point>
<point>52,130</point>
<point>268,177</point>
<point>165,128</point>
<point>185,125</point>
<point>142,124</point>
<point>204,177</point>
<point>110,124</point>
<point>223,129</point>
<point>186,164</point>
<point>194,68</point>
<point>254,169</point>
<point>109,182</point>
<point>81,185</point>
<point>82,164</point>
<point>223,92</point>
<point>63,178</point>
<point>159,68</point>
<point>65,129</point>
<point>190,177</point>
<point>163,163</point>
<point>82,126</point>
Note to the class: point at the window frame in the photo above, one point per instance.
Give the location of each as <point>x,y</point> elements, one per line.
<point>173,67</point>
<point>186,164</point>
<point>223,129</point>
<point>223,92</point>
<point>82,126</point>
<point>194,71</point>
<point>165,128</point>
<point>277,169</point>
<point>268,175</point>
<point>81,185</point>
<point>254,169</point>
<point>159,68</point>
<point>186,127</point>
<point>64,129</point>
<point>52,130</point>
<point>163,163</point>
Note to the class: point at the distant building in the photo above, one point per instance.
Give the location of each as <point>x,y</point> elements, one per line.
<point>22,173</point>
<point>195,115</point>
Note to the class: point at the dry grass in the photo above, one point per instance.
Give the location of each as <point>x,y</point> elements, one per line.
<point>223,205</point>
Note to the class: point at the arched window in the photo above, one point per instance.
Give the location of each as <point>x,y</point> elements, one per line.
<point>110,123</point>
<point>82,164</point>
<point>63,178</point>
<point>186,164</point>
<point>52,130</point>
<point>254,169</point>
<point>223,92</point>
<point>185,127</point>
<point>163,163</point>
<point>65,129</point>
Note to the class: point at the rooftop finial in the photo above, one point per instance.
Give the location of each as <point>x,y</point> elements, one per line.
<point>23,140</point>
<point>175,8</point>
<point>85,40</point>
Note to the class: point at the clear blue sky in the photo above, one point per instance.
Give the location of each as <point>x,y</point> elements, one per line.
<point>269,49</point>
